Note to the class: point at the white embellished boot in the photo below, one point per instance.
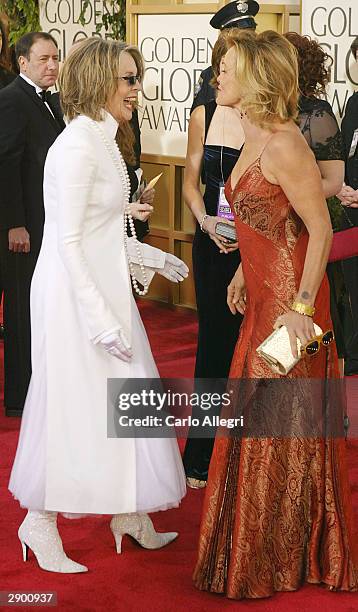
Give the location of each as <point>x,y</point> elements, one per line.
<point>140,527</point>
<point>39,532</point>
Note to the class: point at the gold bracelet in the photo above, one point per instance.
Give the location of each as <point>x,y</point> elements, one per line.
<point>303,309</point>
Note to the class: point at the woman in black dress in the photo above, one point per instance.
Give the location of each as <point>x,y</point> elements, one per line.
<point>320,128</point>
<point>214,144</point>
<point>317,120</point>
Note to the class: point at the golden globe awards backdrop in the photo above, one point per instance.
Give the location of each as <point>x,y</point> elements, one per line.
<point>334,24</point>
<point>176,48</point>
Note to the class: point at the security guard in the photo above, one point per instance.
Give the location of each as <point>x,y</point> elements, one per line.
<point>237,14</point>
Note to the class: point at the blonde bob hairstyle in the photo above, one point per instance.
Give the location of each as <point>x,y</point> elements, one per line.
<point>267,75</point>
<point>89,78</point>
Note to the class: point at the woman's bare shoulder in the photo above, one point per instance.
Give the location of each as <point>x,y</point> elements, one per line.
<point>288,142</point>
<point>197,127</point>
<point>197,117</point>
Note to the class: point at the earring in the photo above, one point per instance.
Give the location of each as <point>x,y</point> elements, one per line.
<point>242,115</point>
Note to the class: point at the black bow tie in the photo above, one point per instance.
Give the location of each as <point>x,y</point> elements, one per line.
<point>45,95</point>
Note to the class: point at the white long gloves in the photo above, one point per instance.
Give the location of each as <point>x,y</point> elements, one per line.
<point>174,269</point>
<point>116,344</point>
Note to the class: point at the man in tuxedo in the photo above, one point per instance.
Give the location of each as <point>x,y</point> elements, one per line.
<point>29,124</point>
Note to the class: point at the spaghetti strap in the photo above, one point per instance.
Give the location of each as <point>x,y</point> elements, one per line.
<point>256,161</point>
<point>265,145</point>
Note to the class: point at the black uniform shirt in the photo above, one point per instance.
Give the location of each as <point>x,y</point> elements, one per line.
<point>204,92</point>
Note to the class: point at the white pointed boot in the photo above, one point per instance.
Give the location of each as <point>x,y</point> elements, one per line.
<point>39,532</point>
<point>140,527</point>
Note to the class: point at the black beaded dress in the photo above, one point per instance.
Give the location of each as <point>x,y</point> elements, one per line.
<point>213,271</point>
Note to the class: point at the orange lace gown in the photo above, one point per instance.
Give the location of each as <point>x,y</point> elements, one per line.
<point>277,511</point>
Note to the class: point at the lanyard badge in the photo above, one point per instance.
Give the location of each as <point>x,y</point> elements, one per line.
<point>223,208</point>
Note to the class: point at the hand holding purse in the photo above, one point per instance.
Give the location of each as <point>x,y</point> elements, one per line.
<point>276,350</point>
<point>224,230</point>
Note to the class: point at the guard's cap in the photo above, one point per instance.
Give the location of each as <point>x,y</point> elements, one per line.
<point>237,14</point>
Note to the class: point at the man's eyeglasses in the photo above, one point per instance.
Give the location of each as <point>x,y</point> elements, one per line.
<point>131,80</point>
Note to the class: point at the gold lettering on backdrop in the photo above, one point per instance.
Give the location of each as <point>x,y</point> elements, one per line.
<point>61,19</point>
<point>174,85</point>
<point>176,49</point>
<point>335,25</point>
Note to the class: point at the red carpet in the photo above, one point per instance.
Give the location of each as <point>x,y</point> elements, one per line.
<point>142,580</point>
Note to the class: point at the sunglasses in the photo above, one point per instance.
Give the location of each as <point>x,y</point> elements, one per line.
<point>312,347</point>
<point>131,80</point>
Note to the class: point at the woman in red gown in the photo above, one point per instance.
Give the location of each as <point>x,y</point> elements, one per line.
<point>277,510</point>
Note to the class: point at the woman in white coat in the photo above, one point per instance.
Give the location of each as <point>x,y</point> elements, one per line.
<point>86,326</point>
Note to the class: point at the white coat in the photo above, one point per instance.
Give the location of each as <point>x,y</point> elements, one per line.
<point>81,289</point>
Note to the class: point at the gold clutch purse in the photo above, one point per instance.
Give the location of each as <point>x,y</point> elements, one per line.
<point>276,350</point>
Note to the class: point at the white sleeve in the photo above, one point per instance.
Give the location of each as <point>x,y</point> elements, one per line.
<point>76,168</point>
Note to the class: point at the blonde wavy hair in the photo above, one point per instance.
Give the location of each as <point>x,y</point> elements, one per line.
<point>89,78</point>
<point>267,73</point>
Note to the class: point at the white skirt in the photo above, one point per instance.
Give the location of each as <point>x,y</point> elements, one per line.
<point>159,473</point>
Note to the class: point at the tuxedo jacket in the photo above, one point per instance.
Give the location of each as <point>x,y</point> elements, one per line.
<point>27,130</point>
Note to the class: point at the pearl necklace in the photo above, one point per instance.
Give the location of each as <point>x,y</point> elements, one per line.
<point>120,164</point>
